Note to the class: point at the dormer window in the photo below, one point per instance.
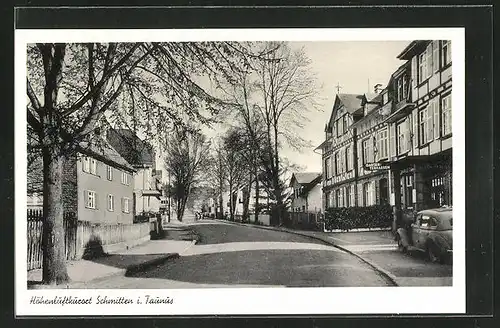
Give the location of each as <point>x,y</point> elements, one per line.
<point>385,98</point>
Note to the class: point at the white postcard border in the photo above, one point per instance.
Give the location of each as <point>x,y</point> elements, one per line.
<point>293,301</point>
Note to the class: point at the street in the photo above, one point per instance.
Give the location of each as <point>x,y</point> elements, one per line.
<point>230,255</point>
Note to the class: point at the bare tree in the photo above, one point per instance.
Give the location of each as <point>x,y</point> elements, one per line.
<point>287,90</point>
<point>187,154</point>
<point>236,165</point>
<point>271,101</point>
<point>71,86</point>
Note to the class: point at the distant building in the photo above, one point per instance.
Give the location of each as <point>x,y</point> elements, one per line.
<point>307,193</point>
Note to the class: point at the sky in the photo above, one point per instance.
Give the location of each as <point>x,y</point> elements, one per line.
<point>356,66</point>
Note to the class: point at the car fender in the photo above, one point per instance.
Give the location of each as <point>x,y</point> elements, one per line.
<point>403,235</point>
<point>439,241</point>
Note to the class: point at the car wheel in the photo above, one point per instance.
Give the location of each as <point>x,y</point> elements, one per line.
<point>433,257</point>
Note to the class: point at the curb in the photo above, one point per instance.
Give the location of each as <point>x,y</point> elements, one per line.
<point>389,276</point>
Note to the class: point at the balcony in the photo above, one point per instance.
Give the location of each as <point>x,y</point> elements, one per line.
<point>400,109</point>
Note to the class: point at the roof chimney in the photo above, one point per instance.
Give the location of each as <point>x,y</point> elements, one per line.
<point>377,88</point>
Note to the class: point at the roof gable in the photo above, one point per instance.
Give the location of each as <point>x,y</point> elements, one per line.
<point>135,151</point>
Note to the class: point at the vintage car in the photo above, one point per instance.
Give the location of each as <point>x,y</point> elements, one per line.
<point>431,232</point>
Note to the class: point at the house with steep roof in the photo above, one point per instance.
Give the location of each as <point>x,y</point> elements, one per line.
<point>338,151</point>
<point>147,178</point>
<point>97,185</point>
<point>307,193</point>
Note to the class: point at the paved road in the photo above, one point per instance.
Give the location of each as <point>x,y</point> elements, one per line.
<point>237,256</point>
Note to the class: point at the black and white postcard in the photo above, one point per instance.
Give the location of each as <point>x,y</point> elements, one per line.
<point>240,171</point>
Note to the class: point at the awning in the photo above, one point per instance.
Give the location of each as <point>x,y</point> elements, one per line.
<point>155,193</point>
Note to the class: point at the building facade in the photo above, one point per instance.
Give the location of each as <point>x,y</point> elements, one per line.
<point>395,145</point>
<point>307,192</point>
<point>420,127</point>
<point>147,179</point>
<point>98,186</point>
<point>339,152</point>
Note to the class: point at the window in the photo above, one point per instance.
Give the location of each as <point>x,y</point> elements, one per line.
<point>90,199</point>
<point>93,166</point>
<point>328,168</point>
<point>336,162</point>
<point>446,112</point>
<point>423,126</point>
<point>86,164</point>
<point>348,155</point>
<point>109,173</point>
<point>125,205</point>
<point>344,121</point>
<point>339,197</point>
<point>341,160</point>
<point>400,89</point>
<point>405,87</point>
<point>339,128</point>
<point>111,203</point>
<point>366,194</point>
<point>385,98</point>
<point>445,53</point>
<point>382,144</point>
<point>366,151</point>
<point>402,142</point>
<point>424,221</point>
<point>125,178</point>
<point>435,122</point>
<point>422,67</point>
<point>351,196</point>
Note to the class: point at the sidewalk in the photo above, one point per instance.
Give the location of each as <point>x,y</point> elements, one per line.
<point>122,263</point>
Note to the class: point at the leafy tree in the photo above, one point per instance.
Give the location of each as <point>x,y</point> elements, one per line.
<point>70,87</point>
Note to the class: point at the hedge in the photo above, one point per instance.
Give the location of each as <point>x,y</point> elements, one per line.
<point>347,218</point>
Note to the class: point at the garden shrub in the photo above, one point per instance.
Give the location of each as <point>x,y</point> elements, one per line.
<point>348,218</point>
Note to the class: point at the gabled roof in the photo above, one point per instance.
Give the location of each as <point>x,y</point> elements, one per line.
<point>104,152</point>
<point>134,150</point>
<point>305,177</point>
<point>351,102</point>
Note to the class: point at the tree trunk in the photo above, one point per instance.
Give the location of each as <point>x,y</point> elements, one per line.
<point>231,218</point>
<point>53,245</point>
<point>257,204</point>
<point>246,197</point>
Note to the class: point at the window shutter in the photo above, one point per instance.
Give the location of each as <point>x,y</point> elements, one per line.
<point>392,141</point>
<point>408,132</point>
<point>96,200</point>
<point>430,120</point>
<point>437,123</point>
<point>86,198</point>
<point>414,77</point>
<point>333,169</point>
<point>435,54</point>
<point>415,128</point>
<point>123,204</point>
<point>428,53</point>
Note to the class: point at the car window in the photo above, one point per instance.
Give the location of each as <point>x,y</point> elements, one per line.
<point>433,222</point>
<point>424,221</point>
